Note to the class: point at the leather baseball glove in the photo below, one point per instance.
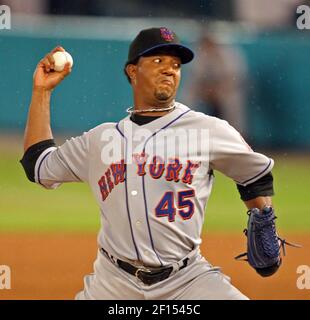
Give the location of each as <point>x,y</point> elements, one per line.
<point>263,243</point>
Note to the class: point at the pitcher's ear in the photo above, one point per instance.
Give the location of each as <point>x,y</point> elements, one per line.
<point>131,71</point>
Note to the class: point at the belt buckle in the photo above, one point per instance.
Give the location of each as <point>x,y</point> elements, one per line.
<point>141,269</point>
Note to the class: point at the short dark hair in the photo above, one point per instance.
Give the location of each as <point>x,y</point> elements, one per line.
<point>127,63</point>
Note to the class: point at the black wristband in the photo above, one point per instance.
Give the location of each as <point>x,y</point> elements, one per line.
<point>263,187</point>
<point>32,154</point>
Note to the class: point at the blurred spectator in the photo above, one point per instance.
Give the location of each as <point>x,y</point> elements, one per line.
<point>77,7</point>
<point>218,81</point>
<point>267,14</point>
<point>144,8</point>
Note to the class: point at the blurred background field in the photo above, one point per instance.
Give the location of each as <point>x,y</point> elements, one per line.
<point>252,68</point>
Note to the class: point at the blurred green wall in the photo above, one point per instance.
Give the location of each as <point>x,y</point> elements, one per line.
<point>279,94</point>
<point>97,90</point>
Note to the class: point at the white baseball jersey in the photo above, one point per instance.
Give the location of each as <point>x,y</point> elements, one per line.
<point>152,182</point>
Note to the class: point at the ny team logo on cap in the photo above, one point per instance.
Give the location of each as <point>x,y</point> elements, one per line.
<point>166,34</point>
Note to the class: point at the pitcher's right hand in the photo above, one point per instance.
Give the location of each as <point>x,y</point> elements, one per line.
<point>45,77</point>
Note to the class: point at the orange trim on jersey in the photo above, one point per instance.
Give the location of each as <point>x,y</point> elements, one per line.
<point>185,206</point>
<point>153,165</point>
<point>173,207</point>
<point>118,171</point>
<point>109,181</point>
<point>140,160</point>
<point>189,171</point>
<point>103,188</point>
<point>173,170</point>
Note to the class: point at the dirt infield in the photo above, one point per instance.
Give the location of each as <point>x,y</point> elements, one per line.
<point>52,266</point>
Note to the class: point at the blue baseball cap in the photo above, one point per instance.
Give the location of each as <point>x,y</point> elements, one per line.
<point>158,40</point>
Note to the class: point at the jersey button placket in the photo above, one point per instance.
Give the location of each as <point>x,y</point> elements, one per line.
<point>136,207</point>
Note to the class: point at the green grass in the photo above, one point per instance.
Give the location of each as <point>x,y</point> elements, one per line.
<point>291,183</point>
<point>24,206</point>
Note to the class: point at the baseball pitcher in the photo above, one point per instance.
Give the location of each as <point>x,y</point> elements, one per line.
<point>152,174</point>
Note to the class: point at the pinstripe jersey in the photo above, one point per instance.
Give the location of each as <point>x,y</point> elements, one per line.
<point>152,182</point>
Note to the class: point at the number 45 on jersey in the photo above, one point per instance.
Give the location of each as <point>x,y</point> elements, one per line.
<point>184,206</point>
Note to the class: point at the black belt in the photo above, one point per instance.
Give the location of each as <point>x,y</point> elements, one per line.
<point>146,275</point>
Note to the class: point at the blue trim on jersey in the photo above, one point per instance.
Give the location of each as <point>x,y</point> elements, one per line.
<point>259,173</point>
<point>128,212</point>
<point>39,180</point>
<point>143,183</point>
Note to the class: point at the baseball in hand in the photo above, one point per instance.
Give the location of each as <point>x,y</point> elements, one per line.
<point>61,58</point>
